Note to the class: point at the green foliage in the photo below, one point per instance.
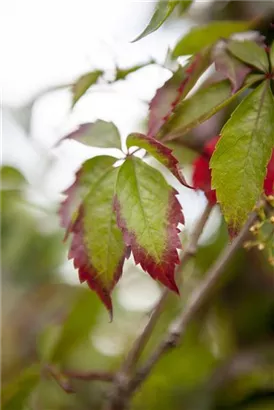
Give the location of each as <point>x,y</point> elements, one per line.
<point>101,134</point>
<point>200,37</point>
<point>162,11</point>
<point>83,84</point>
<point>242,154</point>
<point>250,53</point>
<point>271,54</point>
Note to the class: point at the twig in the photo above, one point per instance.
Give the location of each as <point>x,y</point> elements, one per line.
<point>196,302</point>
<point>121,384</point>
<point>59,378</point>
<point>88,376</point>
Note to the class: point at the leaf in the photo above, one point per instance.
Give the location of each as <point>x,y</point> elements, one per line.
<point>271,55</point>
<point>77,326</point>
<point>11,178</point>
<point>232,68</point>
<point>269,179</point>
<point>184,6</point>
<point>121,74</point>
<point>242,154</point>
<point>16,393</point>
<point>83,84</point>
<point>162,12</point>
<point>159,151</point>
<point>87,176</point>
<point>174,90</point>
<point>101,134</point>
<point>97,244</point>
<point>250,53</point>
<point>202,36</point>
<point>148,213</point>
<point>196,109</point>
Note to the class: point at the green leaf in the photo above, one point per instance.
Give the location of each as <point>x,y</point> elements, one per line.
<point>83,84</point>
<point>16,393</point>
<point>184,6</point>
<point>271,55</point>
<point>121,74</point>
<point>148,213</point>
<point>11,178</point>
<point>250,53</point>
<point>196,109</point>
<point>203,36</point>
<point>174,90</point>
<point>159,151</point>
<point>76,328</point>
<point>87,176</point>
<point>97,244</point>
<point>240,159</point>
<point>162,12</point>
<point>101,134</point>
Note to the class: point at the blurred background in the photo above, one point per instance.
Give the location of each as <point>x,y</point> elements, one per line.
<point>227,358</point>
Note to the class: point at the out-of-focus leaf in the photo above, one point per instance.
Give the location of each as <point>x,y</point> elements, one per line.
<point>159,151</point>
<point>250,53</point>
<point>88,175</point>
<point>271,54</point>
<point>148,213</point>
<point>162,12</point>
<point>101,134</point>
<point>97,247</point>
<point>184,6</point>
<point>242,154</point>
<point>11,178</point>
<point>16,393</point>
<point>76,328</point>
<point>174,90</point>
<point>200,37</point>
<point>121,73</point>
<point>83,84</point>
<point>232,68</point>
<point>198,108</point>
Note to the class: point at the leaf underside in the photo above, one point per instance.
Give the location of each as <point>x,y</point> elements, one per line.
<point>242,154</point>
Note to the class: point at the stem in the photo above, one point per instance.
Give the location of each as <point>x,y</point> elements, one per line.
<point>88,376</point>
<point>197,300</point>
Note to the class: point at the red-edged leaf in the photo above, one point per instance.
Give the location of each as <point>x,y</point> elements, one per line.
<point>174,90</point>
<point>159,151</point>
<point>148,213</point>
<point>269,179</point>
<point>101,134</point>
<point>201,177</point>
<point>89,173</point>
<point>97,244</point>
<point>231,67</point>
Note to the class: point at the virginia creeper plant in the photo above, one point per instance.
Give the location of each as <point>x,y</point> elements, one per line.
<point>115,209</point>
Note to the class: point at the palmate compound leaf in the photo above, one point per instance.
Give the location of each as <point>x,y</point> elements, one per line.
<point>148,213</point>
<point>271,56</point>
<point>159,151</point>
<point>241,156</point>
<point>174,90</point>
<point>162,12</point>
<point>101,134</point>
<point>83,84</point>
<point>97,246</point>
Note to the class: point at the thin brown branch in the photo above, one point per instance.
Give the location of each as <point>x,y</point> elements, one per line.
<point>64,383</point>
<point>197,300</point>
<point>89,376</point>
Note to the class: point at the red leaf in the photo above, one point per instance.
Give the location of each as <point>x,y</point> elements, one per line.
<point>170,94</point>
<point>269,179</point>
<point>159,151</point>
<point>87,273</point>
<point>201,177</point>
